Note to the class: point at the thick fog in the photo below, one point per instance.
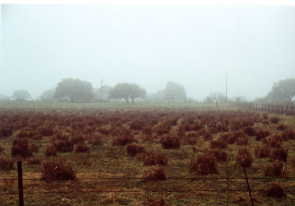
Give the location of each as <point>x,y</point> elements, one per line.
<point>193,45</point>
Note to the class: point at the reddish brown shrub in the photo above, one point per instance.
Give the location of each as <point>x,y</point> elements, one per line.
<point>34,161</point>
<point>273,141</point>
<point>21,148</point>
<point>242,140</point>
<point>6,164</point>
<point>123,140</point>
<point>276,169</point>
<point>50,150</point>
<point>262,151</point>
<point>279,154</point>
<point>96,140</point>
<point>153,158</point>
<point>160,202</point>
<point>274,120</point>
<point>244,158</point>
<point>1,150</point>
<point>220,156</point>
<point>5,132</point>
<point>218,144</point>
<point>57,170</point>
<point>63,145</point>
<point>134,149</point>
<point>77,139</point>
<point>34,148</point>
<point>155,174</point>
<point>250,131</point>
<point>288,134</point>
<point>169,142</point>
<point>282,127</point>
<point>45,131</point>
<point>204,164</point>
<point>81,148</point>
<point>275,190</point>
<point>261,134</point>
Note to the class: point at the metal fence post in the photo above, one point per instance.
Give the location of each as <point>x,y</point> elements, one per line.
<point>20,183</point>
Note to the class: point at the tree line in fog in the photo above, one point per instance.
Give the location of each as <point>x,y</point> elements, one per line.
<point>76,90</point>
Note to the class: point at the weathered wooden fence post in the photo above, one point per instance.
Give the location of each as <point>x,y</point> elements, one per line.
<point>248,186</point>
<point>20,183</point>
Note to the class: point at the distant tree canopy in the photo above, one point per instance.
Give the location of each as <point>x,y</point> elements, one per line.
<point>48,95</point>
<point>75,90</point>
<point>174,92</point>
<point>127,91</point>
<point>102,93</point>
<point>282,91</point>
<point>21,95</point>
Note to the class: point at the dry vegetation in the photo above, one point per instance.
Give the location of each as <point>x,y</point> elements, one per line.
<point>74,151</point>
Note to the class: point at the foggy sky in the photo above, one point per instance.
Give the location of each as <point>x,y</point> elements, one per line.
<point>149,45</point>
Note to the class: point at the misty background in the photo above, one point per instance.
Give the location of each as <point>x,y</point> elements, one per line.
<point>148,45</point>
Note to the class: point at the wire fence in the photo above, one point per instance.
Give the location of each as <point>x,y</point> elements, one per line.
<point>287,109</point>
<point>217,188</point>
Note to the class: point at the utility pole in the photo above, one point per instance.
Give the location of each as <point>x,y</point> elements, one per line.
<point>226,87</point>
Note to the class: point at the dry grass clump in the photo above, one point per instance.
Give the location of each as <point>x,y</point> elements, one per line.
<point>21,148</point>
<point>170,142</point>
<point>275,190</point>
<point>53,170</point>
<point>204,164</point>
<point>6,164</point>
<point>155,158</point>
<point>244,158</point>
<point>81,148</point>
<point>276,169</point>
<point>160,202</point>
<point>155,174</point>
<point>134,149</point>
<point>123,140</point>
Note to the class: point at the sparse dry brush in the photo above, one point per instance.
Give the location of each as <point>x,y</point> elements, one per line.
<point>58,169</point>
<point>244,158</point>
<point>155,158</point>
<point>6,164</point>
<point>204,164</point>
<point>155,174</point>
<point>220,140</point>
<point>170,142</point>
<point>134,149</point>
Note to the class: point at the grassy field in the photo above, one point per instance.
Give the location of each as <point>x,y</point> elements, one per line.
<point>147,155</point>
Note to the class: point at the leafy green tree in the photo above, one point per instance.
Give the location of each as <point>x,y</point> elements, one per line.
<point>282,91</point>
<point>21,95</point>
<point>127,92</point>
<point>75,90</point>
